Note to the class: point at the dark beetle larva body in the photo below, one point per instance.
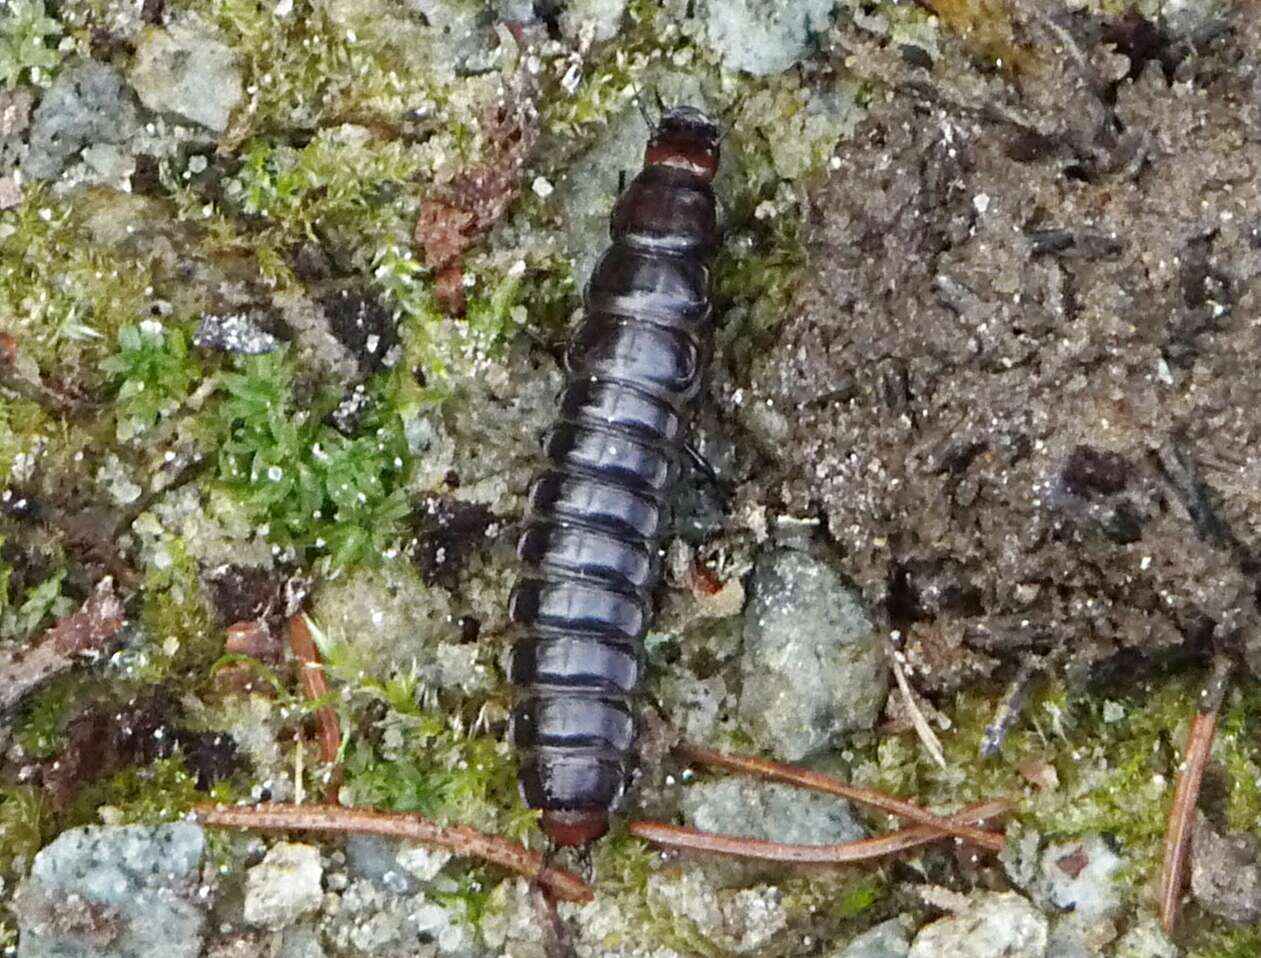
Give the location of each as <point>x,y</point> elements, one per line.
<point>590,546</point>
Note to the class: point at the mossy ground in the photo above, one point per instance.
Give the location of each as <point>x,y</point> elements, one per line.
<point>353,115</point>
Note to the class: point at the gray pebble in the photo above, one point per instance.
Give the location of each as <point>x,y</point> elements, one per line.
<point>595,20</point>
<point>890,939</point>
<point>284,886</point>
<point>186,71</point>
<point>765,36</point>
<point>811,664</point>
<point>768,810</point>
<point>87,105</point>
<point>992,926</point>
<point>114,892</point>
<point>1080,876</point>
<point>1226,873</point>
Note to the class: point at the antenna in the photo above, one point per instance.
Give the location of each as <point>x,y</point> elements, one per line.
<point>643,109</point>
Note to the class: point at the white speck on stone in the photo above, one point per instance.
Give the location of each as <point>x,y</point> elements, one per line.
<point>981,202</point>
<point>542,188</point>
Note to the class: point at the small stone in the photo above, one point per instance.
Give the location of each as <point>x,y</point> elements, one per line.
<point>992,926</point>
<point>422,863</point>
<point>1080,877</point>
<point>284,886</point>
<point>767,810</point>
<point>114,892</point>
<point>812,666</point>
<point>10,193</point>
<point>186,71</point>
<point>87,104</point>
<point>1145,940</point>
<point>765,36</point>
<point>890,939</point>
<point>591,20</point>
<point>1226,873</point>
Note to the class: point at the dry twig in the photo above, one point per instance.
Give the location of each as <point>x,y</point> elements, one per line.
<point>461,839</point>
<point>804,778</point>
<point>1186,794</point>
<point>89,629</point>
<point>867,849</point>
<point>315,687</point>
<point>927,736</point>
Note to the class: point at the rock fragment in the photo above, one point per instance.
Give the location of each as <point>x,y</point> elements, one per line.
<point>186,71</point>
<point>1226,873</point>
<point>284,886</point>
<point>889,939</point>
<point>114,892</point>
<point>1002,925</point>
<point>87,105</point>
<point>765,36</point>
<point>812,666</point>
<point>769,810</point>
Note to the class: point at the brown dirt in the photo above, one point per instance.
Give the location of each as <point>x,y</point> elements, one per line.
<point>1021,380</point>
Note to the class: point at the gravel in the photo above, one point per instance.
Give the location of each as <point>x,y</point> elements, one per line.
<point>114,892</point>
<point>1002,925</point>
<point>812,666</point>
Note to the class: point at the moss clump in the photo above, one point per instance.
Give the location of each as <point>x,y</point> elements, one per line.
<point>346,189</point>
<point>26,42</point>
<point>22,616</point>
<point>153,372</point>
<point>162,791</point>
<point>316,491</point>
<point>21,827</point>
<point>64,301</point>
<point>1233,943</point>
<point>45,715</point>
<point>1114,759</point>
<point>986,29</point>
<point>306,70</point>
<point>182,638</point>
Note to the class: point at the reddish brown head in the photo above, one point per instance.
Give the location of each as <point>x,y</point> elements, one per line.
<point>580,827</point>
<point>686,138</point>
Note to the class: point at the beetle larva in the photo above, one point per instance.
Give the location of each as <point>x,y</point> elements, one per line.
<point>596,515</point>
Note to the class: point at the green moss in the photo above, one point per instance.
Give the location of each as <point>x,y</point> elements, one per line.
<point>1114,774</point>
<point>183,640</point>
<point>316,492</point>
<point>1236,747</point>
<point>418,757</point>
<point>307,71</point>
<point>64,301</point>
<point>45,715</point>
<point>23,616</point>
<point>153,372</point>
<point>162,791</point>
<point>27,44</point>
<point>1231,943</point>
<point>21,826</point>
<point>346,189</point>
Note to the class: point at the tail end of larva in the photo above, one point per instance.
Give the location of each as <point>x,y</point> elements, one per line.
<point>579,827</point>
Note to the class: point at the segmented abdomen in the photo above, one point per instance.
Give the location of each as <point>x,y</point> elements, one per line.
<point>597,509</point>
